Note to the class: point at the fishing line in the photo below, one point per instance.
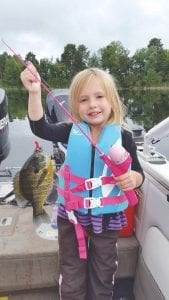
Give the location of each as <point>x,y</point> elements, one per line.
<point>43,84</point>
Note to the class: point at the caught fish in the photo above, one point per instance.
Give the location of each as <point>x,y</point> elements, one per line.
<point>33,183</point>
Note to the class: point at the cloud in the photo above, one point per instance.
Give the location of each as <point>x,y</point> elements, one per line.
<point>45,27</point>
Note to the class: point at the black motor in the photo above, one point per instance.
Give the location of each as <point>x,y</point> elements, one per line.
<point>4,126</point>
<point>53,111</point>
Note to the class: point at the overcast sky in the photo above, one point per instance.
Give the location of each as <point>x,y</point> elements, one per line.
<point>45,27</point>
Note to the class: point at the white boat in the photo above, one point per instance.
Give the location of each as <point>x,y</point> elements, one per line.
<point>29,264</point>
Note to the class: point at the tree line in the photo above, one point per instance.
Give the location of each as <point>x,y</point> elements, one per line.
<point>147,67</point>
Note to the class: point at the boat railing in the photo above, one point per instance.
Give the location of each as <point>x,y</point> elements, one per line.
<point>151,138</point>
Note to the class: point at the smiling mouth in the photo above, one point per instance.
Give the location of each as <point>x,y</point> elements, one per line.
<point>94,114</point>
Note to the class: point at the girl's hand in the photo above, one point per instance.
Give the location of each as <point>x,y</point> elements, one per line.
<point>29,78</point>
<point>129,180</point>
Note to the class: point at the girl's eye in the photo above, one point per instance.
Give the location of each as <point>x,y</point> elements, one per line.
<point>83,100</point>
<point>100,96</point>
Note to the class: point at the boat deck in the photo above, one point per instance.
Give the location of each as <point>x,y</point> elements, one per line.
<point>29,264</point>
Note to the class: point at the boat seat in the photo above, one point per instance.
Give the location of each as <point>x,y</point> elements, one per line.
<point>26,260</point>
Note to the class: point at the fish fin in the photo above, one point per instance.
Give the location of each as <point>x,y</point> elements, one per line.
<point>16,184</point>
<point>53,195</point>
<point>21,201</point>
<point>50,167</point>
<point>47,232</point>
<point>41,218</point>
<point>42,177</point>
<point>48,170</point>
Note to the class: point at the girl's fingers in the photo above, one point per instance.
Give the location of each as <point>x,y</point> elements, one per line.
<point>126,181</point>
<point>30,78</point>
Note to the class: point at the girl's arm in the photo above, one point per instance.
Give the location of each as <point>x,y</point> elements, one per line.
<point>30,82</point>
<point>39,125</point>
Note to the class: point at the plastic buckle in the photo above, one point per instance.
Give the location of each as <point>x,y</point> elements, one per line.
<point>92,202</point>
<point>93,183</point>
<point>71,216</point>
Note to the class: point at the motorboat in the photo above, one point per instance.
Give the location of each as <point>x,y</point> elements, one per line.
<point>29,264</point>
<point>4,126</point>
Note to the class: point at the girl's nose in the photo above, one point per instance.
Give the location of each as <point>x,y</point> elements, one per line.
<point>92,102</point>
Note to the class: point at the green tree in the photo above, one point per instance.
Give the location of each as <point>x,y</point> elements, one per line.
<point>155,42</point>
<point>137,67</point>
<point>17,104</point>
<point>166,66</point>
<point>12,72</point>
<point>57,76</point>
<point>44,68</point>
<point>147,64</point>
<point>81,58</point>
<point>155,55</point>
<point>94,61</point>
<point>68,59</point>
<point>152,78</point>
<point>115,59</point>
<point>3,58</point>
<point>30,56</point>
<point>147,67</point>
<point>75,59</point>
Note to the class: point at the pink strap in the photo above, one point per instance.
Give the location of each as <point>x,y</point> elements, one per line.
<point>74,178</point>
<point>84,183</point>
<point>92,183</point>
<point>132,198</point>
<point>75,202</point>
<point>119,170</point>
<point>81,233</point>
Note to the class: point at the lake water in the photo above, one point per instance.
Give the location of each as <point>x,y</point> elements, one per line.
<point>144,109</point>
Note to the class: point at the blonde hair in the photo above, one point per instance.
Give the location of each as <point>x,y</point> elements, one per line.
<point>108,84</point>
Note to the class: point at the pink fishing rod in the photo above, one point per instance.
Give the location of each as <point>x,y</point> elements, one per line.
<point>46,88</point>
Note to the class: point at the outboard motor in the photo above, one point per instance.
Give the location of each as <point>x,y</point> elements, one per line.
<point>4,126</point>
<point>53,111</point>
<point>55,114</point>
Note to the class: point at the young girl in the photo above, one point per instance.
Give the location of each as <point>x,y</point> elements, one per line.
<point>92,201</point>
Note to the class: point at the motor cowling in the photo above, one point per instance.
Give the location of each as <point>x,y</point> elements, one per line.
<point>4,126</point>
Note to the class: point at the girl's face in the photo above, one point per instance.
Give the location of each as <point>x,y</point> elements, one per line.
<point>93,106</point>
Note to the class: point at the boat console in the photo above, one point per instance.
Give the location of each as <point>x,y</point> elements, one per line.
<point>4,126</point>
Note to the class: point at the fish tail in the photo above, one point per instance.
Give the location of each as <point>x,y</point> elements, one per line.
<point>43,217</point>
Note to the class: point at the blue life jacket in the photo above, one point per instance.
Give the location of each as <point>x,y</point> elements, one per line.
<point>78,158</point>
